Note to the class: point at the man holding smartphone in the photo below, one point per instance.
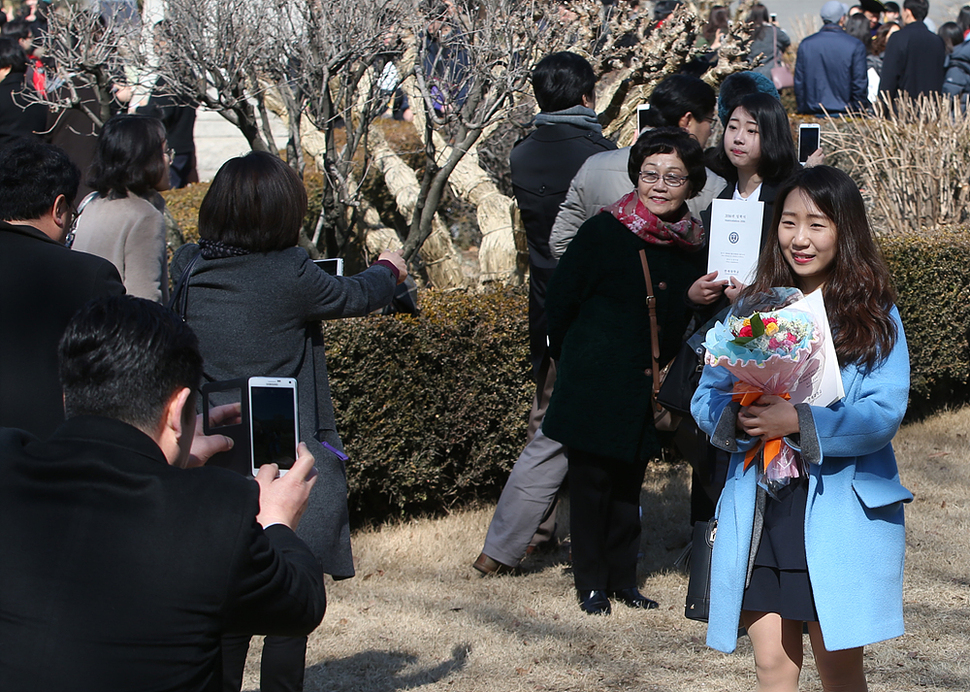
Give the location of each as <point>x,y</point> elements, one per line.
<point>121,571</point>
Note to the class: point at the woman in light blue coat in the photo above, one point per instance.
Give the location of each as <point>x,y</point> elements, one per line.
<point>827,549</point>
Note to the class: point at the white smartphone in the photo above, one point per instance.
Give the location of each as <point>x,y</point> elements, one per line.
<point>274,423</point>
<point>642,111</point>
<point>808,140</point>
<point>333,266</point>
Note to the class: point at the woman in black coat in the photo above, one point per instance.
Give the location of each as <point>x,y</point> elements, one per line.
<point>599,332</point>
<point>256,300</point>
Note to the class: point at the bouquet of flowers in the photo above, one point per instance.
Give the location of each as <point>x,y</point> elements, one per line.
<point>768,345</point>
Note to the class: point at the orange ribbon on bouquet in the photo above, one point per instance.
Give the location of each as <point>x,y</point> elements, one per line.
<point>773,446</point>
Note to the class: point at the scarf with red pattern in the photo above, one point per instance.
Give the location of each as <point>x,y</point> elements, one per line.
<point>688,233</point>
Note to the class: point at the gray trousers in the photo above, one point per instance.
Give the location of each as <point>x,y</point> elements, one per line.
<point>526,511</point>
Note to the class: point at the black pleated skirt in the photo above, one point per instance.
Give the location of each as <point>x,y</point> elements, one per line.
<point>779,579</point>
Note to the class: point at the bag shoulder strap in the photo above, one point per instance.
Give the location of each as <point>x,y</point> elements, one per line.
<point>180,294</point>
<point>654,336</point>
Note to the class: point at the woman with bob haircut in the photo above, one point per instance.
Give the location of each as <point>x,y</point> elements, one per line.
<point>827,548</point>
<point>600,336</point>
<point>256,301</point>
<point>123,219</point>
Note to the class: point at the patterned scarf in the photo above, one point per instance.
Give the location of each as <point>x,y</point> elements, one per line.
<point>688,233</point>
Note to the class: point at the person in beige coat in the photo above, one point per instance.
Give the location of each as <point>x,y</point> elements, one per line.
<point>123,220</point>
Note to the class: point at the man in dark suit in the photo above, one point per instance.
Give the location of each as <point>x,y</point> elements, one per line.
<point>121,571</point>
<point>914,56</point>
<point>543,164</point>
<point>42,283</point>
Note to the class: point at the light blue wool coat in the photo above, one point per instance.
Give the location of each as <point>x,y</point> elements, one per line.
<point>854,533</point>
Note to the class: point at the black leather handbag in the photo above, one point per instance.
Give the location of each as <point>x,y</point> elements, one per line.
<point>699,587</point>
<point>683,375</point>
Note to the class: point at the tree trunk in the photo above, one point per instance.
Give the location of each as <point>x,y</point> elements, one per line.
<point>498,256</point>
<point>437,252</point>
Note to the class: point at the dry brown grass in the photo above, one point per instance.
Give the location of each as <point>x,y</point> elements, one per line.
<point>418,617</point>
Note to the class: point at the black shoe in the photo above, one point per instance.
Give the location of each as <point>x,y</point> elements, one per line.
<point>634,599</point>
<point>594,603</point>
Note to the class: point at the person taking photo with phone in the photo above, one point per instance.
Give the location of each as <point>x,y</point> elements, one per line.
<point>256,300</point>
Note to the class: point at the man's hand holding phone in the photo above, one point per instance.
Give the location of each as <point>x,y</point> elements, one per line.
<point>283,499</point>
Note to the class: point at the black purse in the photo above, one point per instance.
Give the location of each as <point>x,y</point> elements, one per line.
<point>683,373</point>
<point>699,587</point>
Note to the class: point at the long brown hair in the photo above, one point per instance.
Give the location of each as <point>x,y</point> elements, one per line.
<point>858,293</point>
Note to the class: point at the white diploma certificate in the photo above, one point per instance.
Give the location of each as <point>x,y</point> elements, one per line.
<point>820,386</point>
<point>735,238</point>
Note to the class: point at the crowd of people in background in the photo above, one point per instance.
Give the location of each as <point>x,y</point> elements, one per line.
<point>26,76</point>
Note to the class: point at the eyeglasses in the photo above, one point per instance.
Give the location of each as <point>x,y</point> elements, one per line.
<point>170,153</point>
<point>651,177</point>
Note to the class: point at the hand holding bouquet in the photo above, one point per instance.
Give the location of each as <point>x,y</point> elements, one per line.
<point>768,345</point>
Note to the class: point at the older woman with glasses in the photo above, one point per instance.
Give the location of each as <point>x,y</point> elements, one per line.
<point>600,334</point>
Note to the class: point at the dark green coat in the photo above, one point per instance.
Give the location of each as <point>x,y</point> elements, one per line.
<point>599,332</point>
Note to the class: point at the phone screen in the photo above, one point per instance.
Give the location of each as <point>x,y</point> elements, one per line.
<point>333,266</point>
<point>642,117</point>
<point>807,142</point>
<point>273,416</point>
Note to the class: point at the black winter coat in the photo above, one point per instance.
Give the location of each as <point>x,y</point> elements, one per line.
<point>543,164</point>
<point>599,332</point>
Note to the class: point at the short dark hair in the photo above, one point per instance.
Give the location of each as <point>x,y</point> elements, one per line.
<point>857,26</point>
<point>759,16</point>
<point>130,156</point>
<point>678,95</point>
<point>894,7</point>
<point>778,157</point>
<point>919,8</point>
<point>12,55</point>
<point>738,85</point>
<point>18,29</point>
<point>561,80</point>
<point>124,357</point>
<point>670,140</point>
<point>255,202</point>
<point>32,175</point>
<point>963,18</point>
<point>951,34</point>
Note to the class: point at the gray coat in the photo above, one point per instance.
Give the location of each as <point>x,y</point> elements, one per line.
<point>259,315</point>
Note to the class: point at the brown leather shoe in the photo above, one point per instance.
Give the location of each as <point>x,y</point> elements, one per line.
<point>487,565</point>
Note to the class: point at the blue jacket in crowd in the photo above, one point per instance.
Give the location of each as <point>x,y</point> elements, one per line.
<point>831,71</point>
<point>957,81</point>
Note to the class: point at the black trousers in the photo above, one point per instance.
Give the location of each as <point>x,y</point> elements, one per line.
<point>604,517</point>
<point>281,666</point>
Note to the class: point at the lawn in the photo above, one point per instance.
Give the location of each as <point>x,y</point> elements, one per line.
<point>418,617</point>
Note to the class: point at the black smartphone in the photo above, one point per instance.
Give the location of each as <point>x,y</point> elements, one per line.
<point>333,266</point>
<point>808,140</point>
<point>273,422</point>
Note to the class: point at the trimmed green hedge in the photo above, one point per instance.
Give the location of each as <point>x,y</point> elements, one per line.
<point>433,409</point>
<point>932,277</point>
